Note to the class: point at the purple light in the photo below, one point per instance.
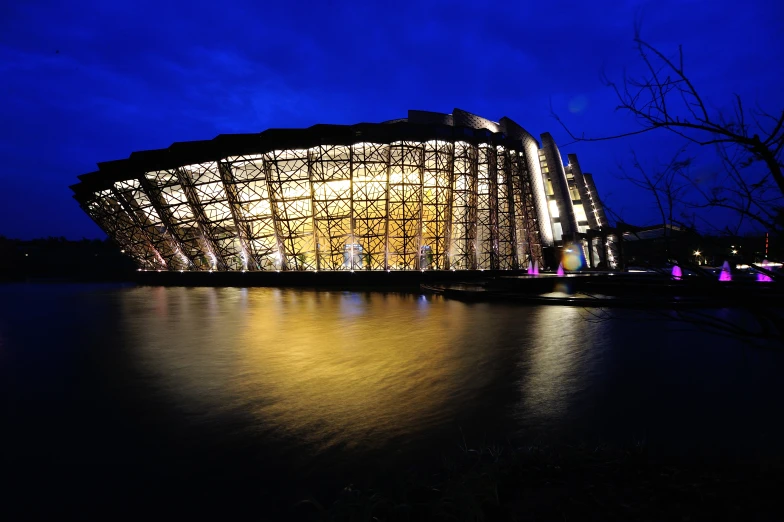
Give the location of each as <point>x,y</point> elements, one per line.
<point>560,271</point>
<point>677,273</point>
<point>764,278</point>
<point>725,274</point>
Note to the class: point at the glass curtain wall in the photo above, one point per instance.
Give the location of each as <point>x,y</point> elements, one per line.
<point>407,205</point>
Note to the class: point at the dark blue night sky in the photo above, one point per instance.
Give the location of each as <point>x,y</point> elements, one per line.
<point>84,82</point>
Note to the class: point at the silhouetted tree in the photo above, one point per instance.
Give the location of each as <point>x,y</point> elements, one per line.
<point>748,142</point>
<point>666,185</point>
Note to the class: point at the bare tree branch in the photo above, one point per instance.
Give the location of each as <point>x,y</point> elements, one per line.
<point>748,143</point>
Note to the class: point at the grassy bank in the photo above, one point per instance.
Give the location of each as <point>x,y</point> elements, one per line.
<point>507,482</point>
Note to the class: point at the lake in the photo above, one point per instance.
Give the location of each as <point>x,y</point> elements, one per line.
<point>118,398</point>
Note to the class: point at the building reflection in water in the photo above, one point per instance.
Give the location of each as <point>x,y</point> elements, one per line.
<point>326,368</point>
<point>558,366</point>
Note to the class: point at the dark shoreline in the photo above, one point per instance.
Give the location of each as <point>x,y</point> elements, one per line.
<point>408,281</point>
<point>592,288</point>
<point>402,280</point>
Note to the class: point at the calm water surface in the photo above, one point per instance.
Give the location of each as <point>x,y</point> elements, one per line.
<point>123,393</point>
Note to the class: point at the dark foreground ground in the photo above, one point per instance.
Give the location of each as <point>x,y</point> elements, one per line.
<point>505,482</point>
<point>493,482</point>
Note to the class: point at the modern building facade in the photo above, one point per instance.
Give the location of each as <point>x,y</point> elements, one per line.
<point>428,192</point>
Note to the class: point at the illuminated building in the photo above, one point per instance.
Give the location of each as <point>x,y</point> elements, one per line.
<point>429,192</point>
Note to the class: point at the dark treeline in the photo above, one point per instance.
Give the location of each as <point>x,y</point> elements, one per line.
<point>657,247</point>
<point>59,258</point>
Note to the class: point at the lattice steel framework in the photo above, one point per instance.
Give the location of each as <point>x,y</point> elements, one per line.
<point>105,209</point>
<point>247,191</point>
<point>418,203</point>
<point>331,188</point>
<point>464,201</point>
<point>370,199</point>
<point>207,197</point>
<point>367,206</point>
<point>436,205</point>
<point>167,194</point>
<point>486,209</point>
<point>527,232</point>
<point>404,229</point>
<point>507,242</point>
<point>288,175</point>
<point>136,203</point>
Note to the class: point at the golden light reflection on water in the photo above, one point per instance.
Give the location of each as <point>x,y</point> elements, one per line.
<point>348,373</point>
<point>566,346</point>
<point>324,367</point>
<point>326,370</point>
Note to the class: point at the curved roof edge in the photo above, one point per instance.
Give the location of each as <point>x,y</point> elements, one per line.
<point>226,145</point>
<point>461,118</point>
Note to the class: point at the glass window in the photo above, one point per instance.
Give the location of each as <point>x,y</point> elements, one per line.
<point>579,213</point>
<point>553,209</point>
<point>558,231</point>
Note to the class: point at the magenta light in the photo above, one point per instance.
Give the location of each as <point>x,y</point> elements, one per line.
<point>560,271</point>
<point>677,273</point>
<point>725,274</point>
<point>530,268</point>
<point>764,278</point>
